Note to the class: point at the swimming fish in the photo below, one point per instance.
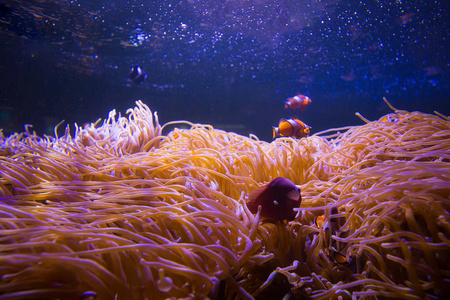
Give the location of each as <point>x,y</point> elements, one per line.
<point>391,118</point>
<point>319,220</point>
<point>137,75</point>
<point>338,256</point>
<point>299,101</point>
<point>277,200</point>
<point>334,222</point>
<point>404,19</point>
<point>291,127</point>
<point>329,229</point>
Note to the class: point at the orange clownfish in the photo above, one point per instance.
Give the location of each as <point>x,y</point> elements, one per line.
<point>334,222</point>
<point>319,221</point>
<point>338,256</point>
<point>277,199</point>
<point>391,118</point>
<point>299,101</point>
<point>291,127</point>
<point>329,229</point>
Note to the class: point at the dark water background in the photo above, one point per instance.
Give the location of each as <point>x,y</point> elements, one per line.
<point>226,63</point>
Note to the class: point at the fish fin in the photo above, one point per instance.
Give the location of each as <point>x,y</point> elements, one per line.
<point>339,257</point>
<point>274,129</point>
<point>256,193</point>
<point>282,122</point>
<point>276,181</point>
<point>293,195</point>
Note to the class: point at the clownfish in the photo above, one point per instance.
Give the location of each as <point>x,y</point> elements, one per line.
<point>299,101</point>
<point>404,19</point>
<point>277,200</point>
<point>327,240</point>
<point>338,256</point>
<point>137,75</point>
<point>335,222</point>
<point>391,118</point>
<point>291,127</point>
<point>319,220</point>
<point>329,229</point>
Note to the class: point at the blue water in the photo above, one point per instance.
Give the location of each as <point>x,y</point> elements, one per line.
<point>230,63</point>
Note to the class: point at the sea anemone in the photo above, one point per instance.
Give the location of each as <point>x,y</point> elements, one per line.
<point>120,211</point>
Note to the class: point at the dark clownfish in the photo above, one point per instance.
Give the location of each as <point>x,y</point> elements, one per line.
<point>137,75</point>
<point>291,127</point>
<point>277,199</point>
<point>299,101</point>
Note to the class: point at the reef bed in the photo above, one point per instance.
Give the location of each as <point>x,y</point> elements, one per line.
<point>125,212</point>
